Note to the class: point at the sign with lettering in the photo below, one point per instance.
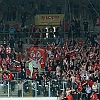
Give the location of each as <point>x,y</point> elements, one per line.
<point>49,19</point>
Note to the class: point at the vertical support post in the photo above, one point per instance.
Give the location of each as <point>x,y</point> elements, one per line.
<point>49,88</point>
<point>22,89</point>
<point>8,88</point>
<point>63,86</point>
<point>35,89</point>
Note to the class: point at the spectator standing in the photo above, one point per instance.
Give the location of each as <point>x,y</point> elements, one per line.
<point>32,30</point>
<point>4,43</point>
<point>12,32</point>
<point>5,80</point>
<point>62,96</point>
<point>26,32</point>
<point>12,43</point>
<point>84,93</point>
<point>20,45</point>
<point>37,33</point>
<point>23,18</point>
<point>20,89</point>
<point>42,63</point>
<point>8,50</point>
<point>95,87</point>
<point>51,32</point>
<point>33,88</point>
<point>3,51</point>
<point>13,83</point>
<point>58,40</point>
<point>77,27</point>
<point>66,27</point>
<point>16,27</point>
<point>69,96</point>
<point>34,41</point>
<point>86,28</point>
<point>44,30</point>
<point>72,29</point>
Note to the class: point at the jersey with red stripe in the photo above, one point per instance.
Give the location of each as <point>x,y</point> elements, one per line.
<point>8,50</point>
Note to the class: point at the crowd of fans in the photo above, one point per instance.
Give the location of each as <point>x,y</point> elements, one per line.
<point>72,66</point>
<point>74,62</point>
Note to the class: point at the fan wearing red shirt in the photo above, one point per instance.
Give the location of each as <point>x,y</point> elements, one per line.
<point>57,58</point>
<point>66,42</point>
<point>84,81</point>
<point>91,83</point>
<point>28,72</point>
<point>79,87</point>
<point>4,62</point>
<point>93,96</point>
<point>0,60</point>
<point>20,56</point>
<point>7,59</point>
<point>10,76</point>
<point>80,42</point>
<point>16,26</point>
<point>34,75</point>
<point>8,50</point>
<point>32,30</point>
<point>72,55</point>
<point>5,79</point>
<point>18,68</point>
<point>42,63</point>
<point>69,97</point>
<point>50,67</point>
<point>2,51</point>
<point>79,90</point>
<point>78,77</point>
<point>4,76</point>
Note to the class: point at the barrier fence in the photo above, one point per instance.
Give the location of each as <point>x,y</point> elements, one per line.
<point>34,88</point>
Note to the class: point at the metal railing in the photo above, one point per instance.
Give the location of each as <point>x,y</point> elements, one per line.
<point>33,88</point>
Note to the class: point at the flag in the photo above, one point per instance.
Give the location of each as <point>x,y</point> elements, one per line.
<point>39,52</point>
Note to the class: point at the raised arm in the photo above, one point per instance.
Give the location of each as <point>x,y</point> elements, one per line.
<point>28,61</point>
<point>16,61</point>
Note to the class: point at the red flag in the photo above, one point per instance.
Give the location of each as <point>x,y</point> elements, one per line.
<point>38,52</point>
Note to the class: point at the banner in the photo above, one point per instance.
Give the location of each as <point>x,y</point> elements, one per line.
<point>36,52</point>
<point>49,19</point>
